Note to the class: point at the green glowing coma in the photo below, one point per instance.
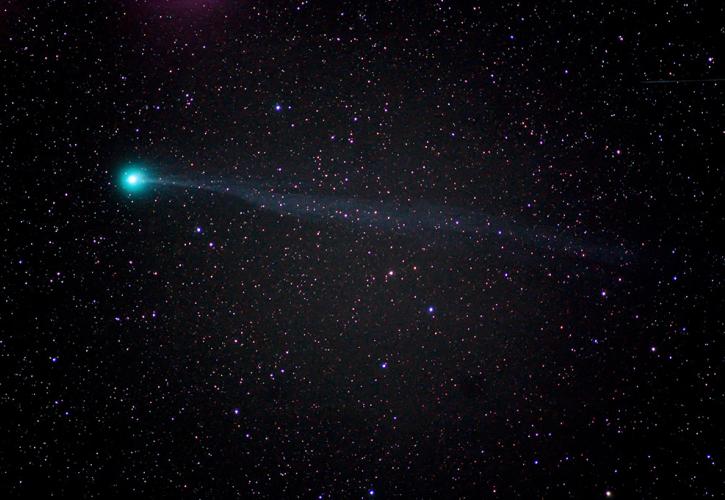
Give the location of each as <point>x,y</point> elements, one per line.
<point>133,180</point>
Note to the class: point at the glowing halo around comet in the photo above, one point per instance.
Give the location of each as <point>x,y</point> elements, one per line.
<point>133,179</point>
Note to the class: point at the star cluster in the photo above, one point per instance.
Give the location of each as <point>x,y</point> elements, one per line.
<point>164,340</point>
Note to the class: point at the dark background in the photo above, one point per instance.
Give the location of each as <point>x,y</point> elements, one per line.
<point>275,357</point>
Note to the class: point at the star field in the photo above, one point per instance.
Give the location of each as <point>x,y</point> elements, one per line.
<point>309,249</point>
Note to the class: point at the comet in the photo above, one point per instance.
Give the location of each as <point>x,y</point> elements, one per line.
<point>419,218</point>
<point>134,179</point>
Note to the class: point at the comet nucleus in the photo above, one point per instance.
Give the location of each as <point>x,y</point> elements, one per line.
<point>133,179</point>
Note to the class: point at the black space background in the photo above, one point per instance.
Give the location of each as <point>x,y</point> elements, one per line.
<point>283,360</point>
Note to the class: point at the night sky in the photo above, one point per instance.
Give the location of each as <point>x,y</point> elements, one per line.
<point>355,249</point>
